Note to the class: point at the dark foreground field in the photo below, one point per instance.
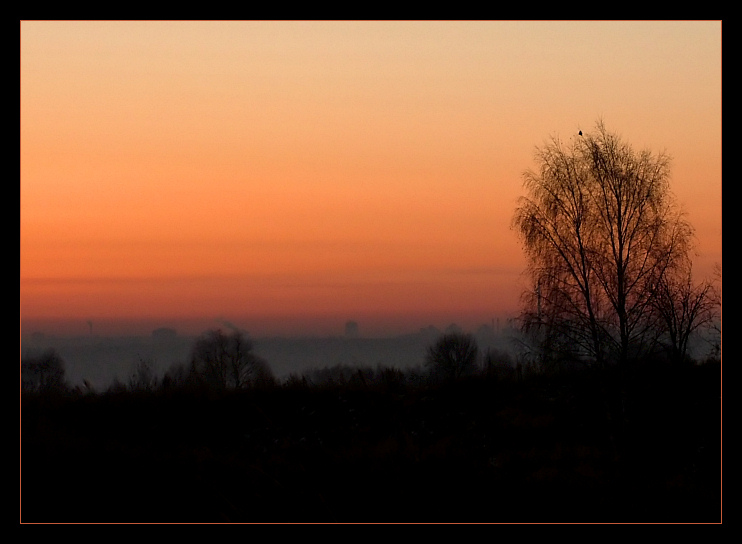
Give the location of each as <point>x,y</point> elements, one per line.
<point>577,448</point>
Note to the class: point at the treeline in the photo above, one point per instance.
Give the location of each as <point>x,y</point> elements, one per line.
<point>503,440</point>
<point>366,444</point>
<point>222,361</point>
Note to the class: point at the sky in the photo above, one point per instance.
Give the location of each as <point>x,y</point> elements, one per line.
<point>289,176</point>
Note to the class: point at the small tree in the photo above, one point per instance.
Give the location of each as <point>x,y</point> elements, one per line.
<point>226,361</point>
<point>43,374</point>
<point>683,307</point>
<point>452,356</point>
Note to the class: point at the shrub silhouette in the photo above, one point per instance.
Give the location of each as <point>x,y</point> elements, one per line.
<point>499,364</point>
<point>382,378</point>
<point>143,378</point>
<point>44,373</point>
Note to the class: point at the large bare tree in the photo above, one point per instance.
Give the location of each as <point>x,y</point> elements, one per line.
<point>600,229</point>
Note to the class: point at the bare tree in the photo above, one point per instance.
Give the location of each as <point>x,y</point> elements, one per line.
<point>453,355</point>
<point>227,361</point>
<point>44,373</point>
<point>600,229</point>
<point>683,308</point>
<point>715,325</point>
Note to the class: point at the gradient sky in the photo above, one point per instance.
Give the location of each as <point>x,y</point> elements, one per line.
<point>290,176</point>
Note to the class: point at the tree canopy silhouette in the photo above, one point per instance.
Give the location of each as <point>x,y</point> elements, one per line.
<point>453,355</point>
<point>600,230</point>
<point>683,307</point>
<point>226,361</point>
<point>44,373</point>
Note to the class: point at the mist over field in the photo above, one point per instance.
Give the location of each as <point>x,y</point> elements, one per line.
<point>101,358</point>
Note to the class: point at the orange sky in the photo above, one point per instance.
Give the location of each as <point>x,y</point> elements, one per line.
<point>279,174</point>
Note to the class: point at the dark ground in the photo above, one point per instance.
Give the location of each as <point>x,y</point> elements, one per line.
<point>575,448</point>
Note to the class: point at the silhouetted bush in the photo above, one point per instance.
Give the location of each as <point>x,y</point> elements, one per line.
<point>177,376</point>
<point>143,378</point>
<point>339,375</point>
<point>499,365</point>
<point>117,387</point>
<point>391,379</point>
<point>44,373</point>
<point>381,378</point>
<point>261,376</point>
<point>295,381</point>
